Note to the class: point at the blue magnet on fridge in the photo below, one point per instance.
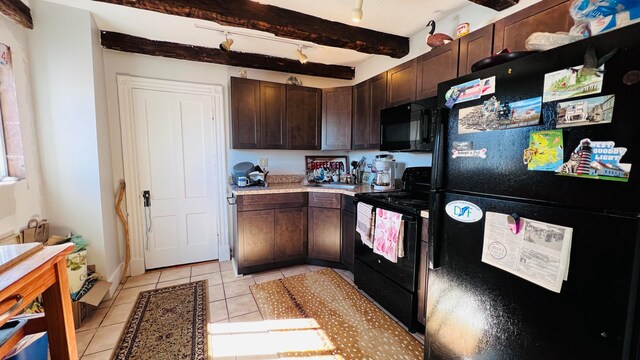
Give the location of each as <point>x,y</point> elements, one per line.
<point>513,221</point>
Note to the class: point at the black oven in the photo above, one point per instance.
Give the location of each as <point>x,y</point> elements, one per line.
<point>409,127</point>
<point>395,285</point>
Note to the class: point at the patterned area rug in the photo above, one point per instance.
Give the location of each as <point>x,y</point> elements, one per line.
<point>168,323</point>
<point>350,326</point>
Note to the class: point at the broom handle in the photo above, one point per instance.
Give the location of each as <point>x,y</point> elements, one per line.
<point>125,223</point>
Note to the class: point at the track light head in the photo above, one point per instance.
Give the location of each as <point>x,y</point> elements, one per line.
<point>356,12</point>
<point>356,15</point>
<point>226,44</point>
<point>301,57</point>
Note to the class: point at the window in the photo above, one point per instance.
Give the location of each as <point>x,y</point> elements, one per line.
<point>11,153</point>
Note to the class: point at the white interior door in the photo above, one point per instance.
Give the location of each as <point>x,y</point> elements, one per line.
<point>175,155</point>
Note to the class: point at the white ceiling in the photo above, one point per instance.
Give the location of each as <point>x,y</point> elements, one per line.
<point>399,17</point>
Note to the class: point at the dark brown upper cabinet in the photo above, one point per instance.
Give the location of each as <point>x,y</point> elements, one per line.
<point>245,113</point>
<point>273,119</point>
<point>545,16</point>
<point>378,102</point>
<point>401,83</point>
<point>361,115</point>
<point>336,118</point>
<point>474,47</point>
<point>258,113</point>
<point>304,117</point>
<point>369,98</point>
<point>438,65</point>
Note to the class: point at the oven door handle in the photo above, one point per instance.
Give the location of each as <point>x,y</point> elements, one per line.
<point>410,219</point>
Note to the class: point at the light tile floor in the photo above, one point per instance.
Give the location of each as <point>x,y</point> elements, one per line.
<point>230,300</point>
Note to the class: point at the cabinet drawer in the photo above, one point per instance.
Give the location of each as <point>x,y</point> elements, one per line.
<point>271,201</point>
<point>325,200</point>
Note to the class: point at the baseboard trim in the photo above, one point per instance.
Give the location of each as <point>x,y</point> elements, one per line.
<point>224,253</point>
<point>136,267</point>
<point>114,279</point>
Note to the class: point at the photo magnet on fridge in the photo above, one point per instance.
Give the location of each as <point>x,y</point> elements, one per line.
<point>462,145</point>
<point>479,118</point>
<point>572,82</point>
<point>545,152</point>
<point>470,90</point>
<point>598,160</point>
<point>589,111</point>
<point>488,85</point>
<point>520,113</point>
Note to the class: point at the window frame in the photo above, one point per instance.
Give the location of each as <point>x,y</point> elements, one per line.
<point>4,166</point>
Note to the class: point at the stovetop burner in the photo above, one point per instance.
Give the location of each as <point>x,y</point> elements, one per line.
<point>412,199</point>
<point>400,201</point>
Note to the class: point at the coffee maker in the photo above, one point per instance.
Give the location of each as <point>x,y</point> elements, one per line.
<point>385,172</point>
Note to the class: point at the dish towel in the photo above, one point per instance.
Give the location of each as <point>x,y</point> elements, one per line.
<point>364,223</point>
<point>388,238</point>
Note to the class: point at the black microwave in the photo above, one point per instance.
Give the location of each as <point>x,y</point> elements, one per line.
<point>409,127</point>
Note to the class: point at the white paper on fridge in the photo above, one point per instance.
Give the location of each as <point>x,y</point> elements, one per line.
<point>539,252</point>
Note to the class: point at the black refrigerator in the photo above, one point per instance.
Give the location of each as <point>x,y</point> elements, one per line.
<point>475,310</point>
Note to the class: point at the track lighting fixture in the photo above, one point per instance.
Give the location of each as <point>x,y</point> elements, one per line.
<point>301,57</point>
<point>226,44</point>
<point>356,12</point>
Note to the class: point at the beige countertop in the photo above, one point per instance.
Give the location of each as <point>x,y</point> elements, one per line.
<point>297,187</point>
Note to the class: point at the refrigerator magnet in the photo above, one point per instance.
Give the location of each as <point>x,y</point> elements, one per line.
<point>545,152</point>
<point>479,153</point>
<point>590,111</point>
<point>471,90</point>
<point>599,160</point>
<point>463,211</point>
<point>631,78</point>
<point>520,113</point>
<point>572,82</point>
<point>480,117</point>
<point>462,145</point>
<point>513,221</point>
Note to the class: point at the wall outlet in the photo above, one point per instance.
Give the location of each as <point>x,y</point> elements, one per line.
<point>264,162</point>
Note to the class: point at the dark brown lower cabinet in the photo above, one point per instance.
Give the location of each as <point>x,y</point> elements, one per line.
<point>256,237</point>
<point>348,231</point>
<point>348,238</point>
<point>290,234</point>
<point>324,234</point>
<point>271,231</point>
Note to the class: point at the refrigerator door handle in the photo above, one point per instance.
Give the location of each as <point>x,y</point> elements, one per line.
<point>434,229</point>
<point>437,178</point>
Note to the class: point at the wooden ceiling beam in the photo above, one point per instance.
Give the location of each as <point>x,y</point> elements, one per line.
<point>280,22</point>
<point>497,5</point>
<point>17,11</point>
<point>139,45</point>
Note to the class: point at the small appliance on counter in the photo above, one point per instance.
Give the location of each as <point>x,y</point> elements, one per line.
<point>247,174</point>
<point>385,172</point>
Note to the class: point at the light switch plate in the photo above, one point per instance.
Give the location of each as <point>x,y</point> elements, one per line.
<point>264,162</point>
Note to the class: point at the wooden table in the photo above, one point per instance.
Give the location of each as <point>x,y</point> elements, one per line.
<point>44,272</point>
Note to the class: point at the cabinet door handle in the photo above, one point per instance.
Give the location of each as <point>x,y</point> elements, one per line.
<point>18,299</point>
